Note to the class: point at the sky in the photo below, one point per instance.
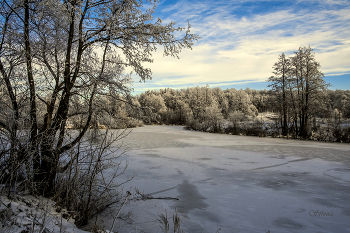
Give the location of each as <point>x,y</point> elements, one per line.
<point>242,39</point>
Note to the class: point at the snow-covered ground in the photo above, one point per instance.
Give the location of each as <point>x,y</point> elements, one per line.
<point>218,181</point>
<point>32,214</point>
<point>234,183</point>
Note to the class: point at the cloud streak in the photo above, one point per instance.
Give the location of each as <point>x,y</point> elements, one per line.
<point>241,40</point>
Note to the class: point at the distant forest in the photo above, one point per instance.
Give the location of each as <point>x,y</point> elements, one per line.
<point>240,112</point>
<point>298,105</point>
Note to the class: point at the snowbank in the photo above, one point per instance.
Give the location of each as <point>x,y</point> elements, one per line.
<point>31,214</point>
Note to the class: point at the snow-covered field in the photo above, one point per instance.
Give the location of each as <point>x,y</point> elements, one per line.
<point>234,183</point>
<point>220,183</point>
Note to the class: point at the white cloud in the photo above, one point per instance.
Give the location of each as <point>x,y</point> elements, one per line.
<point>245,48</point>
<point>329,2</point>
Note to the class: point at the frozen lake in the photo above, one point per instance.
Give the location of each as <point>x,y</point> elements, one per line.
<point>235,183</point>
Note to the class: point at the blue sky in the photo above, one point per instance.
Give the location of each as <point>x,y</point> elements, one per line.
<point>241,40</point>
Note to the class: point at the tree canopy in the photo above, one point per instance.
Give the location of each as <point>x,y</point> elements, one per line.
<point>59,59</point>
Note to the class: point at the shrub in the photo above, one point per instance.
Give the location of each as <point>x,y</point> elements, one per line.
<point>341,134</point>
<point>87,186</point>
<point>255,131</point>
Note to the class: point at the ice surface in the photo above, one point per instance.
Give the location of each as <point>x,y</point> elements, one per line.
<point>235,183</point>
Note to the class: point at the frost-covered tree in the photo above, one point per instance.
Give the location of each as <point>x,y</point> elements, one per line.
<point>282,71</point>
<point>240,101</point>
<point>308,83</point>
<point>213,118</point>
<point>154,106</point>
<point>53,52</point>
<point>196,100</point>
<point>299,84</point>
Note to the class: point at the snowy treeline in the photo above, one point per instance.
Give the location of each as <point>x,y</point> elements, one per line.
<point>203,106</point>
<point>217,110</point>
<point>246,112</point>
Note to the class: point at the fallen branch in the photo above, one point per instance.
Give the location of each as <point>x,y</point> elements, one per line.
<point>166,198</point>
<point>148,197</point>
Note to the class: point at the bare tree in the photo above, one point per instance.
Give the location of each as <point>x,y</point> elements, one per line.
<point>279,86</point>
<point>56,54</point>
<point>298,81</point>
<point>308,82</point>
